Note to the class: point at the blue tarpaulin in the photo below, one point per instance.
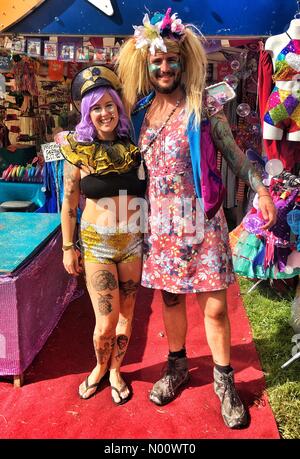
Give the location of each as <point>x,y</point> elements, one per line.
<point>22,235</point>
<point>212,17</point>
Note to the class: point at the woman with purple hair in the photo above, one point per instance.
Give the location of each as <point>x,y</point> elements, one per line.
<point>102,163</point>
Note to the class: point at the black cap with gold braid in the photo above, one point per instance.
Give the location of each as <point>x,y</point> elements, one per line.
<point>90,78</point>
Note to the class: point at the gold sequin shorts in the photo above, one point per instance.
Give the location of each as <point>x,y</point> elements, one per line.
<point>100,245</point>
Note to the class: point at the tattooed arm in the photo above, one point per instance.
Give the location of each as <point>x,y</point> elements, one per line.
<point>241,166</point>
<point>69,215</point>
<point>237,161</point>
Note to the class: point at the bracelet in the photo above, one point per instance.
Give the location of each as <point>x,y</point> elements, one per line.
<point>67,246</point>
<point>264,195</point>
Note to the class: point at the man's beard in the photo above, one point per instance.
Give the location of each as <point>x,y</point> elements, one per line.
<point>169,89</point>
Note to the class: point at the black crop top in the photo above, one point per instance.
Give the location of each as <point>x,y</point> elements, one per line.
<point>113,166</point>
<point>96,186</point>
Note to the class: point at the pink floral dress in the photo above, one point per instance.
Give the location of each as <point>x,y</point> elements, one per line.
<point>184,252</point>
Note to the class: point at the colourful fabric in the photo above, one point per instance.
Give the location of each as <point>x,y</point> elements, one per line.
<point>285,150</point>
<point>283,109</point>
<point>248,255</point>
<point>235,235</point>
<point>277,238</point>
<point>53,184</point>
<point>180,258</point>
<point>267,253</point>
<point>212,189</point>
<point>293,219</point>
<point>32,302</point>
<point>287,63</point>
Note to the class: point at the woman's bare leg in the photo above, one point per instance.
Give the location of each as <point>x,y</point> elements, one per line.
<point>129,281</point>
<point>102,285</point>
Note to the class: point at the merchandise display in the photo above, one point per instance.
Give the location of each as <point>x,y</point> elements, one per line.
<point>272,254</point>
<point>275,254</point>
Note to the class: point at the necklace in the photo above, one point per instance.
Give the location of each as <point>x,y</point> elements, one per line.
<point>141,170</point>
<point>159,130</point>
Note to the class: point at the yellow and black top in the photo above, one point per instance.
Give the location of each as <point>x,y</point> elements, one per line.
<point>111,166</point>
<point>101,157</point>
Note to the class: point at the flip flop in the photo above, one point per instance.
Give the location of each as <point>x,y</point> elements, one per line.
<point>87,387</point>
<point>119,391</point>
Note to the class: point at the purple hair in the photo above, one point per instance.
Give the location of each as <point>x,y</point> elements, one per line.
<point>85,130</point>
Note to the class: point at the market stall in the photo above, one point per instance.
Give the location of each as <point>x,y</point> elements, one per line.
<point>34,287</point>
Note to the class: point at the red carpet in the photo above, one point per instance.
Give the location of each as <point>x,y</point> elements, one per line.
<point>48,407</point>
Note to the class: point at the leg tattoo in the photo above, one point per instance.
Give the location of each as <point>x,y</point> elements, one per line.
<point>103,351</point>
<point>170,299</point>
<point>122,342</point>
<point>104,304</point>
<point>129,287</point>
<point>103,280</point>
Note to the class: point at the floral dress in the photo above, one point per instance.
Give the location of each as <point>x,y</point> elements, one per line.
<point>183,251</point>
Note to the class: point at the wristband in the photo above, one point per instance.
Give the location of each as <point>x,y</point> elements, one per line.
<point>67,246</point>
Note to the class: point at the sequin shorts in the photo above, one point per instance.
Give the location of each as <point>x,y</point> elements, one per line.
<point>283,109</point>
<point>99,245</point>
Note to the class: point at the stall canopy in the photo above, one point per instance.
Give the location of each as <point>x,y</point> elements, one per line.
<point>116,17</point>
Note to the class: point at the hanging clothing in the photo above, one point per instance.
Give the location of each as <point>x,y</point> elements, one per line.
<point>283,107</point>
<point>4,139</point>
<point>286,151</point>
<point>269,254</point>
<point>287,61</point>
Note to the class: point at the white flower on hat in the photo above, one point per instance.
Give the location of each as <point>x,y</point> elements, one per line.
<point>149,35</point>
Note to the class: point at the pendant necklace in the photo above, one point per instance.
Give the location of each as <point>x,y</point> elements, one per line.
<point>141,171</point>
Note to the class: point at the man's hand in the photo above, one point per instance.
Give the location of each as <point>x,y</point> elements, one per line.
<point>268,210</point>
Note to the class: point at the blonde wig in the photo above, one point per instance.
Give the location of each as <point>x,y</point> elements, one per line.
<point>132,68</point>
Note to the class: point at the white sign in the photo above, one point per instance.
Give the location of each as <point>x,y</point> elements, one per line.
<point>103,5</point>
<point>51,152</point>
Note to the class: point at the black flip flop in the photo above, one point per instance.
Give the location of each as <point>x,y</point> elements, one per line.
<point>87,387</point>
<point>119,391</point>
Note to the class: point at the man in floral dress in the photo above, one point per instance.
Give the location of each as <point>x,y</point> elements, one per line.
<point>186,247</point>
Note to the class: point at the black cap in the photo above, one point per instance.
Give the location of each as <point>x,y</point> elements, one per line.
<point>90,78</point>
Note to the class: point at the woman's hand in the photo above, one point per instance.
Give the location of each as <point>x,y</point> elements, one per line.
<point>71,262</point>
<point>268,210</point>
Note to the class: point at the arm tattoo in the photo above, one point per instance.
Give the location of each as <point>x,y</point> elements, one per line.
<point>71,181</point>
<point>225,143</point>
<point>129,287</point>
<point>72,213</point>
<point>103,280</point>
<point>104,304</point>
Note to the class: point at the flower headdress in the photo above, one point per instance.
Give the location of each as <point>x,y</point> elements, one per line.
<point>154,30</point>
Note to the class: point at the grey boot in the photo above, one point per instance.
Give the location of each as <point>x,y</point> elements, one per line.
<point>232,408</point>
<point>175,376</point>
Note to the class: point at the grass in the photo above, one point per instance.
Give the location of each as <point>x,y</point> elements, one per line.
<point>269,316</point>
